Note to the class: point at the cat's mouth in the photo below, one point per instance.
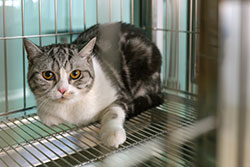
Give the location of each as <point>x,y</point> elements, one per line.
<point>63,98</point>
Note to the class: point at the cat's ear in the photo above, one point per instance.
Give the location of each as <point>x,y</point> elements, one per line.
<point>32,49</point>
<point>87,50</point>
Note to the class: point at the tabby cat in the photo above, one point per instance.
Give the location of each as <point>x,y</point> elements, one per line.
<point>109,73</point>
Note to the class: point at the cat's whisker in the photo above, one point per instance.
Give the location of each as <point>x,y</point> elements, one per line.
<point>44,102</point>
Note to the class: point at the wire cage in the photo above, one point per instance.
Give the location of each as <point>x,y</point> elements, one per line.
<point>174,25</point>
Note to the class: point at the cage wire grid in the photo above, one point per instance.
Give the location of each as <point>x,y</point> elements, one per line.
<point>25,141</point>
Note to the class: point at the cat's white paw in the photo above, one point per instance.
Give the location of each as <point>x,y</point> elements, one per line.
<point>113,136</point>
<point>49,120</point>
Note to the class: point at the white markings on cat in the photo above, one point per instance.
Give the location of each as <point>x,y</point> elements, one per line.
<point>112,131</point>
<point>87,108</point>
<point>63,82</point>
<point>82,108</point>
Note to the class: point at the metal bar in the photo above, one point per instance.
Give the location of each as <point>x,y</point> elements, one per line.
<point>182,91</point>
<point>16,111</point>
<point>131,144</point>
<point>177,147</point>
<point>183,108</point>
<point>41,142</point>
<point>5,61</point>
<point>56,140</point>
<point>35,36</point>
<point>36,140</point>
<point>15,151</point>
<point>85,144</point>
<point>170,108</point>
<point>84,12</point>
<point>24,71</point>
<point>4,161</point>
<point>137,144</point>
<point>153,19</point>
<point>178,45</point>
<point>3,130</point>
<point>171,30</point>
<point>63,137</point>
<point>166,47</point>
<point>11,157</point>
<point>12,129</point>
<point>70,4</point>
<point>190,47</point>
<point>196,42</point>
<point>110,10</point>
<point>121,9</point>
<point>40,22</point>
<point>150,128</point>
<point>78,129</point>
<point>56,30</point>
<point>176,111</point>
<point>68,33</point>
<point>186,123</point>
<point>245,91</point>
<point>103,146</point>
<point>97,11</point>
<point>160,123</point>
<point>182,112</point>
<point>132,11</point>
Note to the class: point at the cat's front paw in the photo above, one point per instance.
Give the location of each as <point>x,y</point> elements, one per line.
<point>113,136</point>
<point>49,120</point>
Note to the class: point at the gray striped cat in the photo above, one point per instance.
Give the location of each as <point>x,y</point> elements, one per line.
<point>109,73</point>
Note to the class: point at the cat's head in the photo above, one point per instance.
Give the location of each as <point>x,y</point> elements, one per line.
<point>60,72</point>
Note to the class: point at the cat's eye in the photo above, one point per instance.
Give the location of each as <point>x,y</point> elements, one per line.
<point>48,75</point>
<point>75,74</point>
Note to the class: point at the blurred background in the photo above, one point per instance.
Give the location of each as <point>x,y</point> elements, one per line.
<point>205,46</point>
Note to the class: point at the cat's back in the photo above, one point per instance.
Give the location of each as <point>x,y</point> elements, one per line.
<point>118,42</point>
<point>131,60</point>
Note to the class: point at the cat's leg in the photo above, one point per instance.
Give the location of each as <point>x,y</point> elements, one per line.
<point>112,132</point>
<point>143,103</point>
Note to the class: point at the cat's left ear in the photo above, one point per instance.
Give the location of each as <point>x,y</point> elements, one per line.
<point>87,50</point>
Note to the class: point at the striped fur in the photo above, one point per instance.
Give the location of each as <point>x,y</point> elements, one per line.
<point>120,78</point>
<point>137,70</point>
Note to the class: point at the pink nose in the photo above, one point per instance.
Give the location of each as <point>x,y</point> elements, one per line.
<point>62,90</point>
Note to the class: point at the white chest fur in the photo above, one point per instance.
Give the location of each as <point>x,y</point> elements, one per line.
<point>84,109</point>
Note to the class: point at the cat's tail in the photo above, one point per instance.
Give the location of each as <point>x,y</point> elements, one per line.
<point>143,103</point>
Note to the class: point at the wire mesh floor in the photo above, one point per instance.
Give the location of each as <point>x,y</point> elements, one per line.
<point>25,141</point>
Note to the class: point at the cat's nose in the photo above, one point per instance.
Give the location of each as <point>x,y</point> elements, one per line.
<point>62,90</point>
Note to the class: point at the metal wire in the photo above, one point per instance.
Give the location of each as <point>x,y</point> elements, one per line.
<point>40,22</point>
<point>121,9</point>
<point>70,6</point>
<point>110,10</point>
<point>5,60</point>
<point>132,11</point>
<point>32,143</point>
<point>97,11</point>
<point>69,145</point>
<point>24,71</point>
<point>56,30</point>
<point>84,14</point>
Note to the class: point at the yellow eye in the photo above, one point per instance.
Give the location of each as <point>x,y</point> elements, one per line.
<point>48,75</point>
<point>75,74</point>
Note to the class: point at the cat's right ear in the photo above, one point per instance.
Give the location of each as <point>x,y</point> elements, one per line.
<point>32,49</point>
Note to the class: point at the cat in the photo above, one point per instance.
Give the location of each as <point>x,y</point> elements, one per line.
<point>110,73</point>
